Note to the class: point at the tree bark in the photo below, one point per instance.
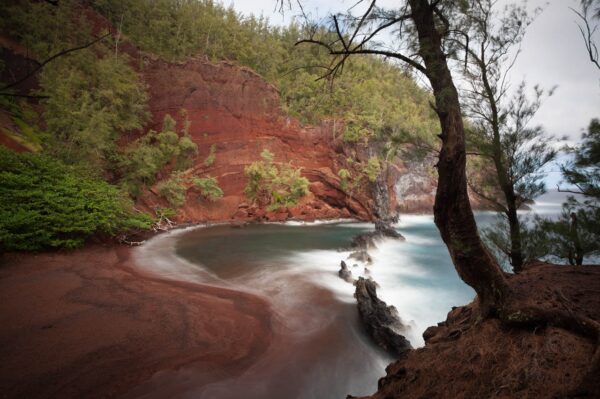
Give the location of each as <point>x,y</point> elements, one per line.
<point>577,258</point>
<point>452,210</point>
<point>516,251</point>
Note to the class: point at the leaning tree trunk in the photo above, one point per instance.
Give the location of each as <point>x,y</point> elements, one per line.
<point>454,216</point>
<point>452,210</point>
<point>506,185</point>
<point>516,251</point>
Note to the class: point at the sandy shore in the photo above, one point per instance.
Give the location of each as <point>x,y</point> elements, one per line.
<point>85,323</point>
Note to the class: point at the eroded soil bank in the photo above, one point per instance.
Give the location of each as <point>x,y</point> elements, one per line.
<point>468,358</point>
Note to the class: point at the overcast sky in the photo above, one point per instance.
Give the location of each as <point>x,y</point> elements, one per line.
<point>553,54</point>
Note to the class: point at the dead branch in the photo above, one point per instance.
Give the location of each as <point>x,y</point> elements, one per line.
<point>48,60</point>
<point>587,33</point>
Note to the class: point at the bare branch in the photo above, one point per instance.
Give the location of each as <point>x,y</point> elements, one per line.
<point>487,198</point>
<point>587,33</point>
<point>52,58</point>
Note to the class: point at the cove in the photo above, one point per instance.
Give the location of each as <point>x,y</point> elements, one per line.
<point>319,348</point>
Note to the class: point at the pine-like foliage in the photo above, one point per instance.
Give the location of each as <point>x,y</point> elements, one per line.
<point>45,203</point>
<point>274,185</point>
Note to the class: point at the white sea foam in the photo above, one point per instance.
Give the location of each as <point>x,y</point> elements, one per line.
<point>419,306</point>
<point>413,220</point>
<point>157,256</point>
<point>287,281</point>
<point>314,222</point>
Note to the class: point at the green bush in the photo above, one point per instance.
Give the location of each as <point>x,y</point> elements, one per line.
<point>372,169</point>
<point>209,187</point>
<point>47,204</point>
<point>173,190</point>
<point>144,158</point>
<point>274,185</point>
<point>210,159</point>
<point>349,183</point>
<point>345,177</point>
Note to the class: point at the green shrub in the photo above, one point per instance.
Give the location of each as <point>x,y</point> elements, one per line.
<point>47,204</point>
<point>144,158</point>
<point>274,185</point>
<point>162,212</point>
<point>210,159</point>
<point>173,190</point>
<point>349,183</point>
<point>354,132</point>
<point>372,169</point>
<point>345,176</point>
<point>209,187</point>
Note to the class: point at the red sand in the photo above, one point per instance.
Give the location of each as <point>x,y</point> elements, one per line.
<point>85,324</point>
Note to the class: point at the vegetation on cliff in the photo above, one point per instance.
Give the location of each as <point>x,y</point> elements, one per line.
<point>274,185</point>
<point>90,98</point>
<point>209,187</point>
<point>141,161</point>
<point>372,96</point>
<point>45,203</point>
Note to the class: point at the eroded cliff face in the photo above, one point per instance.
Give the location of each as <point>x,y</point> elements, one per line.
<point>415,186</point>
<point>239,113</point>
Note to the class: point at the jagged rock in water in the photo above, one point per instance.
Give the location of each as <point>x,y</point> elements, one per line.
<point>381,322</point>
<point>366,241</point>
<point>361,256</point>
<point>345,273</point>
<point>386,230</point>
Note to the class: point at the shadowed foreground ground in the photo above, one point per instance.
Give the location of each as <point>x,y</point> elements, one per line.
<point>468,358</point>
<point>85,324</point>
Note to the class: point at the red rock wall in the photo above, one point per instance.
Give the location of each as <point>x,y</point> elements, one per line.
<point>239,112</point>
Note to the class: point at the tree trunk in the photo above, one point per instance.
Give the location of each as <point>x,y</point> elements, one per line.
<point>452,210</point>
<point>506,184</point>
<point>516,252</point>
<point>578,250</point>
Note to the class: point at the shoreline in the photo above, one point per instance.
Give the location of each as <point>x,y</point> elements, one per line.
<point>88,323</point>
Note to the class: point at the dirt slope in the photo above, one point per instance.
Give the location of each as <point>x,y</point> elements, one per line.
<point>467,358</point>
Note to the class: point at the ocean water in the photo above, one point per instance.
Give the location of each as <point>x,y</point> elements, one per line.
<point>320,349</point>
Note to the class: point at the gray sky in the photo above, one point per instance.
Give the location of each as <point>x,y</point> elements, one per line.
<point>553,54</point>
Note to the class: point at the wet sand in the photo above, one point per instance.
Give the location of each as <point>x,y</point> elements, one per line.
<point>86,323</point>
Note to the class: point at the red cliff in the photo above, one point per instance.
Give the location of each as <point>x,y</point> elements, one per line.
<point>239,112</point>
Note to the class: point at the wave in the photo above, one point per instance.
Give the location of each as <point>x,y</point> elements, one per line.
<point>158,257</point>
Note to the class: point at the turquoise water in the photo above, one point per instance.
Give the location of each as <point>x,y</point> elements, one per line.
<point>416,276</point>
<point>320,349</point>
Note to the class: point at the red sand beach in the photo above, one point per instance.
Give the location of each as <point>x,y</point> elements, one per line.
<point>85,323</point>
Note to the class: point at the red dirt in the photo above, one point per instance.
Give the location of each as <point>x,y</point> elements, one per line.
<point>85,324</point>
<point>469,358</point>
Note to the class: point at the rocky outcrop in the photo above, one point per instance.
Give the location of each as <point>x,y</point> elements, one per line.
<point>365,241</point>
<point>381,322</point>
<point>345,273</point>
<point>415,186</point>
